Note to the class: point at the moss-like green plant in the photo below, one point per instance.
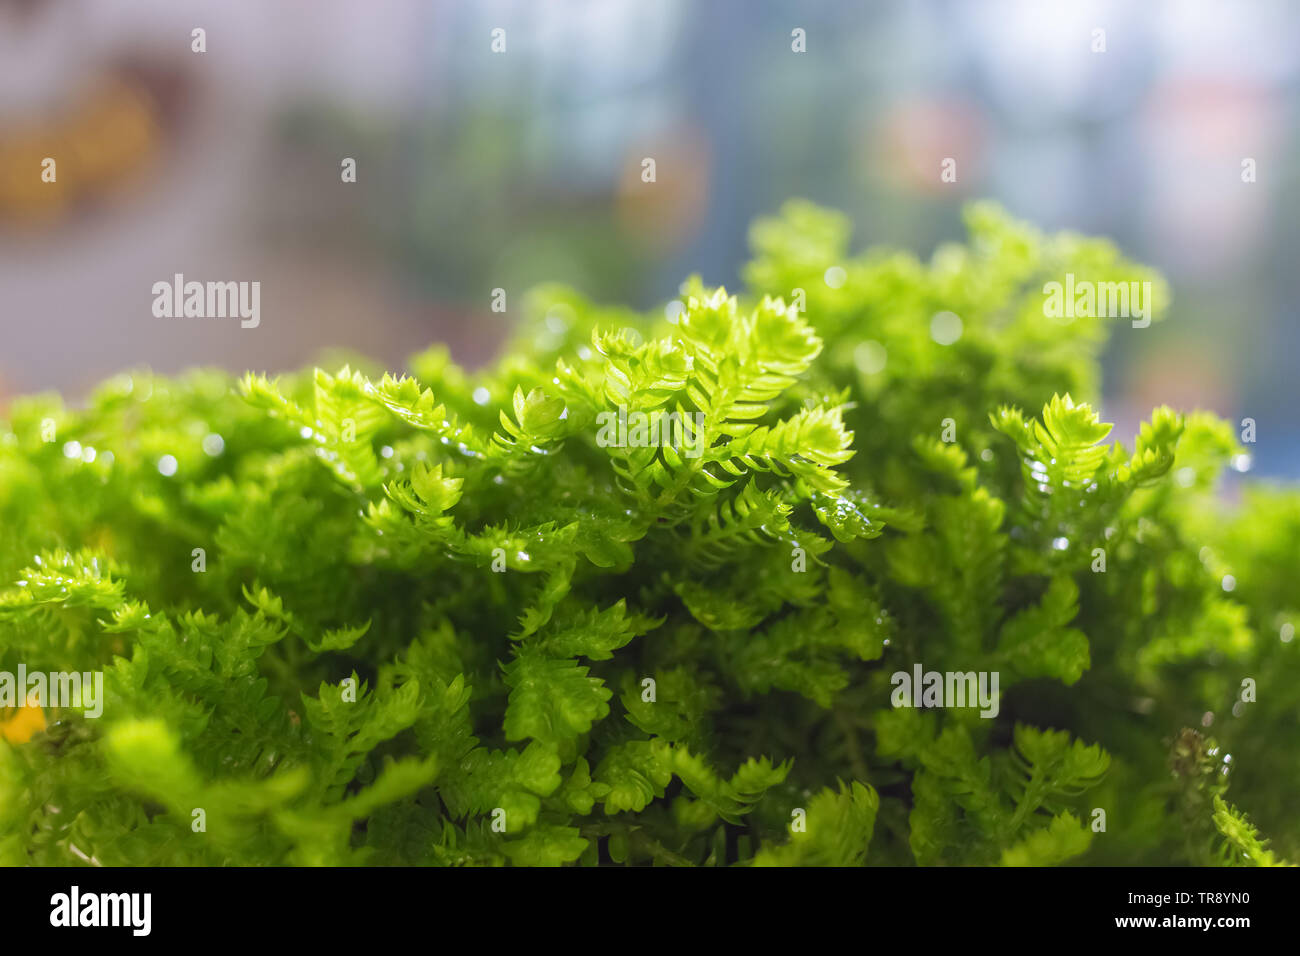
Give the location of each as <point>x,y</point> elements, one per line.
<point>648,590</point>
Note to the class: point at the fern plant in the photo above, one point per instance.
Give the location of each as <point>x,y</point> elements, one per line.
<point>639,592</point>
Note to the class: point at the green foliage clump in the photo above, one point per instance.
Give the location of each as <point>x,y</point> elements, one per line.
<point>454,618</point>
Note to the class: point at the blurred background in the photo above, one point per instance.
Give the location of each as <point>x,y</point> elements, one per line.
<point>478,169</point>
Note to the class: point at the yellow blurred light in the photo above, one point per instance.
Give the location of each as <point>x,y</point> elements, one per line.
<point>102,142</point>
<point>24,725</point>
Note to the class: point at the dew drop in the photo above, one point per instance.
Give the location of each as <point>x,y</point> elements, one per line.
<point>870,357</point>
<point>945,327</point>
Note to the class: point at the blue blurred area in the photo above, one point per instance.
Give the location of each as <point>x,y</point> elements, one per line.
<point>1142,140</point>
